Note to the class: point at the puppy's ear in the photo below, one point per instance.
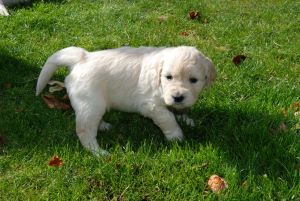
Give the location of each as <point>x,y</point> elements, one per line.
<point>159,70</point>
<point>211,73</point>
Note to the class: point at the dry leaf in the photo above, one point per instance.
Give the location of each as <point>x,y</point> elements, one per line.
<point>55,161</point>
<point>283,127</point>
<point>162,18</point>
<point>296,106</point>
<point>193,14</point>
<point>56,86</point>
<point>238,59</point>
<point>55,103</point>
<point>184,33</point>
<point>217,184</point>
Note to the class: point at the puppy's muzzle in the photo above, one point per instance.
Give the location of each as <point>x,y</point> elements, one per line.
<point>178,99</point>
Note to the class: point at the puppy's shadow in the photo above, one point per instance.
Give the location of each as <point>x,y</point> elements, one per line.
<point>248,139</point>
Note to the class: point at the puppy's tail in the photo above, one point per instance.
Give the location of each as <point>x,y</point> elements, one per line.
<point>65,57</point>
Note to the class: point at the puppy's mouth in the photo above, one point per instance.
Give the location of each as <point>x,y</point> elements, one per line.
<point>176,105</point>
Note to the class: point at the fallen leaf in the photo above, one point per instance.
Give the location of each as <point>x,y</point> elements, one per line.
<point>56,86</point>
<point>55,161</point>
<point>296,106</point>
<point>193,14</point>
<point>55,103</point>
<point>283,127</point>
<point>162,18</point>
<point>238,59</point>
<point>217,184</point>
<point>184,33</point>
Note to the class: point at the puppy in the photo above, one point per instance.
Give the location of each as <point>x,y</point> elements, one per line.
<point>145,80</point>
<point>3,10</point>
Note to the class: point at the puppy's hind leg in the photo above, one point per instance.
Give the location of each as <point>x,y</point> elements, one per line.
<point>89,113</point>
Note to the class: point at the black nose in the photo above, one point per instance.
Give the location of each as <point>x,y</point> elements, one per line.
<point>178,99</point>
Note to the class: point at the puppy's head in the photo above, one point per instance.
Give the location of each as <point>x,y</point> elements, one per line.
<point>184,73</point>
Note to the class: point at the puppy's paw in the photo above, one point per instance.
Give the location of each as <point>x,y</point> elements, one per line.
<point>3,10</point>
<point>175,135</point>
<point>184,118</point>
<point>104,126</point>
<point>101,153</point>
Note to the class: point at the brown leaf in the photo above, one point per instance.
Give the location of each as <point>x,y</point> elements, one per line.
<point>238,59</point>
<point>55,103</point>
<point>217,184</point>
<point>296,106</point>
<point>162,18</point>
<point>55,161</point>
<point>283,127</point>
<point>193,14</point>
<point>184,33</point>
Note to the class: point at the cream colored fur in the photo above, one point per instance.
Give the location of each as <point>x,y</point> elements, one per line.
<point>145,80</point>
<point>3,10</point>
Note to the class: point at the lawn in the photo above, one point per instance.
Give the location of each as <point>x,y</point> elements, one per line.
<point>247,125</point>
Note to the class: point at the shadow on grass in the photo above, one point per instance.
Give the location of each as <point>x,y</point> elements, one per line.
<point>29,3</point>
<point>15,71</point>
<point>247,138</point>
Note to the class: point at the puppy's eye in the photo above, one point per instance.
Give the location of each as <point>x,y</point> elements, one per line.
<point>193,80</point>
<point>169,77</point>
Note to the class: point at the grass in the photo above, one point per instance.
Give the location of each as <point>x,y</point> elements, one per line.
<point>237,133</point>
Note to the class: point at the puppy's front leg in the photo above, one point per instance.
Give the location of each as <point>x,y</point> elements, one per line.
<point>166,121</point>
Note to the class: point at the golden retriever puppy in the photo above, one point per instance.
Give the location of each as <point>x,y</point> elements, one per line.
<point>3,10</point>
<point>146,80</point>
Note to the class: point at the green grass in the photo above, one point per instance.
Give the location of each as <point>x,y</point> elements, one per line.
<point>237,134</point>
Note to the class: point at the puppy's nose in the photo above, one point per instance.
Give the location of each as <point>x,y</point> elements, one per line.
<point>178,99</point>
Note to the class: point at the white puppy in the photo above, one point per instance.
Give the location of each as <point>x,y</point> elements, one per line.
<point>145,80</point>
<point>3,10</point>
